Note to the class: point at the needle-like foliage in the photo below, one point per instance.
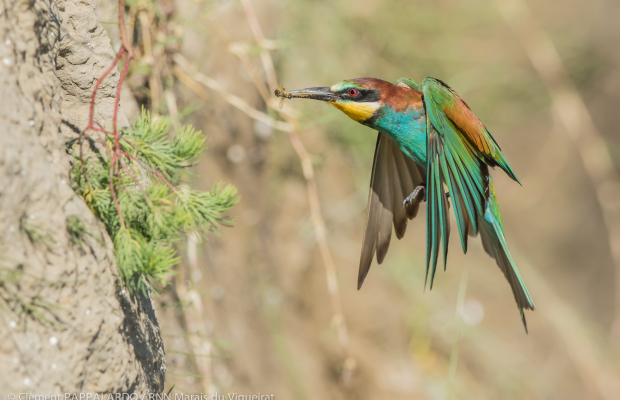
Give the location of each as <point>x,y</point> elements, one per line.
<point>156,208</point>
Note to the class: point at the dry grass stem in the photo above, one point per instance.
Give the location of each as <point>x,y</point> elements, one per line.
<point>262,42</point>
<point>593,367</point>
<point>193,315</point>
<point>578,124</point>
<point>240,51</point>
<point>577,121</point>
<point>182,68</point>
<point>320,230</point>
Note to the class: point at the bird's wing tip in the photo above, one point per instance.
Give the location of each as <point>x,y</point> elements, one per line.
<point>361,277</point>
<point>524,321</point>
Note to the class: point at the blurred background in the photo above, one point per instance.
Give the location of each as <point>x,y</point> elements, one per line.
<point>270,305</point>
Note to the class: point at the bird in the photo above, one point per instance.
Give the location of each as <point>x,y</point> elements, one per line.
<point>430,148</point>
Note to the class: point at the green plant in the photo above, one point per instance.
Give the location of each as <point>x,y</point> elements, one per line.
<point>137,192</point>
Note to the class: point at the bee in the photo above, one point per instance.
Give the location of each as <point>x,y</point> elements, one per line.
<point>280,92</point>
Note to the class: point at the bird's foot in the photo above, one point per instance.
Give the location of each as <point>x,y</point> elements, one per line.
<point>418,191</point>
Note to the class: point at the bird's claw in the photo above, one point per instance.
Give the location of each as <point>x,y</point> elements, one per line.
<point>419,190</point>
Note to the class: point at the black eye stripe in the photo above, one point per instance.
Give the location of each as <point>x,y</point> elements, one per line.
<point>363,95</point>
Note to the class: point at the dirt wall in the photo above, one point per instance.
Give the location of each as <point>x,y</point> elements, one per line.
<point>66,324</point>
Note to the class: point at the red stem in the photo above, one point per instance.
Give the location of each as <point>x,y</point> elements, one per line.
<point>123,29</point>
<point>118,97</point>
<point>91,115</point>
<point>92,100</point>
<point>127,51</point>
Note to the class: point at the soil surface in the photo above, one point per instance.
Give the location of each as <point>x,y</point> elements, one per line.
<point>66,325</point>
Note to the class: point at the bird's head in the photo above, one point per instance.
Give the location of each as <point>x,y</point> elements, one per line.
<point>360,99</point>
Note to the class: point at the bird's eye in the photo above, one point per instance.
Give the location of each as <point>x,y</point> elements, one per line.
<point>353,92</point>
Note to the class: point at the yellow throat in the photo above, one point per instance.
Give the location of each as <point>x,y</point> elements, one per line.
<point>357,111</point>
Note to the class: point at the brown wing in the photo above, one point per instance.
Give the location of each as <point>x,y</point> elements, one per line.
<point>394,177</point>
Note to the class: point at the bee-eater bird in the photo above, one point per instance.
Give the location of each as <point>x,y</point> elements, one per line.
<point>429,140</point>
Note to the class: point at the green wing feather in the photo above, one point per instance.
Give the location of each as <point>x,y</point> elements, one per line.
<point>438,222</point>
<point>459,150</point>
<point>494,243</point>
<point>478,136</point>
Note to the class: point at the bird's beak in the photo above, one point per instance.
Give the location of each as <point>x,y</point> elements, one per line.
<point>316,93</point>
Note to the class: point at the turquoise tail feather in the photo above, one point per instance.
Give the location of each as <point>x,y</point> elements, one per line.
<point>494,243</point>
<point>458,156</point>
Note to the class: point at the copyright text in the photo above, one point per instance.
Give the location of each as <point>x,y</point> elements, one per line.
<point>134,396</point>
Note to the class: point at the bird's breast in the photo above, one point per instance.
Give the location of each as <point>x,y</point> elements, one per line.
<point>406,128</point>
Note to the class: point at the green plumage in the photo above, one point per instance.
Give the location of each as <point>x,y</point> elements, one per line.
<point>428,138</point>
<point>461,164</point>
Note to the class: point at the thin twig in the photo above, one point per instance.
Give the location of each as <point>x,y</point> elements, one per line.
<point>194,317</point>
<point>190,83</point>
<point>90,125</point>
<point>126,51</point>
<point>458,318</point>
<point>146,20</point>
<point>188,75</point>
<point>100,128</point>
<point>193,314</point>
<point>183,68</point>
<point>94,95</point>
<point>320,230</point>
<point>260,39</point>
<point>121,24</point>
<point>240,50</point>
<point>117,101</point>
